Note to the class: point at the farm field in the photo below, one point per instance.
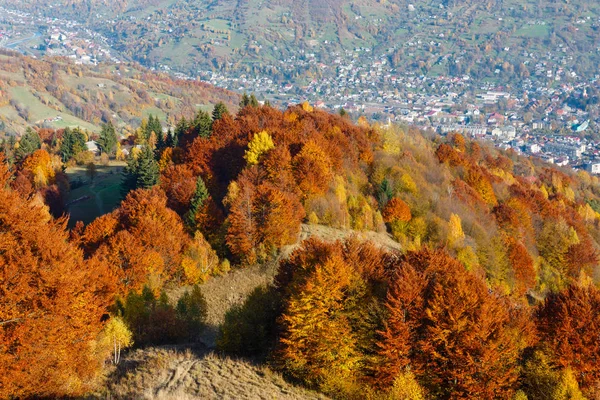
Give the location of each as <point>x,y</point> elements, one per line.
<point>93,197</point>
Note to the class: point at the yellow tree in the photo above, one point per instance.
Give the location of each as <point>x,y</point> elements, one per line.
<point>456,235</point>
<point>317,344</point>
<point>115,337</point>
<point>260,144</point>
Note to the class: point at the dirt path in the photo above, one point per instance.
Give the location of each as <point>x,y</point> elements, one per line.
<point>163,374</point>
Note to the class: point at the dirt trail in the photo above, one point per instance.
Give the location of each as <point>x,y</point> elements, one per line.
<point>163,374</point>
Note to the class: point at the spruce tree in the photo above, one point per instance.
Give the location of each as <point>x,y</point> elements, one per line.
<point>29,143</point>
<point>203,124</point>
<point>160,142</point>
<point>200,196</point>
<point>219,111</point>
<point>108,139</point>
<point>129,180</point>
<point>147,173</point>
<point>153,125</point>
<point>66,145</point>
<point>245,102</point>
<point>253,101</point>
<point>171,140</point>
<point>181,129</point>
<point>141,172</point>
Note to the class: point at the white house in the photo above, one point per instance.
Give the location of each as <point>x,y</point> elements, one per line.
<point>92,146</point>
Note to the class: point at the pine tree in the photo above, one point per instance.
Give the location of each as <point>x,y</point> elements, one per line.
<point>219,110</point>
<point>202,124</point>
<point>171,140</point>
<point>161,143</point>
<point>200,196</point>
<point>73,142</point>
<point>153,125</point>
<point>181,129</point>
<point>147,169</point>
<point>142,172</point>
<point>29,143</point>
<point>245,102</point>
<point>253,101</point>
<point>108,139</point>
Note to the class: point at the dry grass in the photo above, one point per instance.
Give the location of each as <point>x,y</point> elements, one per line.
<point>160,373</point>
<point>164,374</point>
<point>223,292</point>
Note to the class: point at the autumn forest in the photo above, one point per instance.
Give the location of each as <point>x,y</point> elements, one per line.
<point>491,292</point>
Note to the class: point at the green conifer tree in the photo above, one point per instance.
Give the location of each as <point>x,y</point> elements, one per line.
<point>108,139</point>
<point>29,143</point>
<point>200,196</point>
<point>203,124</point>
<point>219,111</point>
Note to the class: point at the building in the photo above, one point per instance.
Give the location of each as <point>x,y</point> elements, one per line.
<point>92,146</point>
<point>593,167</point>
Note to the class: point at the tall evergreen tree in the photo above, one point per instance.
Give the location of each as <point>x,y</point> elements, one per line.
<point>203,124</point>
<point>141,172</point>
<point>253,101</point>
<point>245,102</point>
<point>73,142</point>
<point>108,139</point>
<point>153,125</point>
<point>160,142</point>
<point>219,111</point>
<point>29,143</point>
<point>171,139</point>
<point>200,196</point>
<point>181,129</point>
<point>147,169</point>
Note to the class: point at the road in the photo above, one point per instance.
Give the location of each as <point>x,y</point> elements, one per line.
<point>14,45</point>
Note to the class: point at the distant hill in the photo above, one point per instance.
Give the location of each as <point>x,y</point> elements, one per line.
<point>451,37</point>
<point>55,93</point>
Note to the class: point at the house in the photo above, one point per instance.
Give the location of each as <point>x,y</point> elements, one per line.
<point>538,125</point>
<point>504,133</point>
<point>593,168</point>
<point>496,118</point>
<point>92,146</point>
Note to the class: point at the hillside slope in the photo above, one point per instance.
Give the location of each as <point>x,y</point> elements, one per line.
<point>163,374</point>
<point>452,37</point>
<point>55,93</point>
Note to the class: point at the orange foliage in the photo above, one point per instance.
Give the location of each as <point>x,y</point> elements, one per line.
<point>179,184</point>
<point>52,304</point>
<point>523,269</point>
<point>312,168</point>
<point>145,246</point>
<point>476,178</point>
<point>453,323</point>
<point>582,257</point>
<point>446,154</point>
<point>262,217</point>
<point>396,210</point>
<point>569,323</point>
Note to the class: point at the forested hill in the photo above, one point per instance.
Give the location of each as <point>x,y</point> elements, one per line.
<point>55,93</point>
<point>494,293</point>
<point>449,38</point>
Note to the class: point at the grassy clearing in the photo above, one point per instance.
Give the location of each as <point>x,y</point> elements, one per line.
<point>94,197</point>
<point>40,112</point>
<point>156,112</point>
<point>533,31</point>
